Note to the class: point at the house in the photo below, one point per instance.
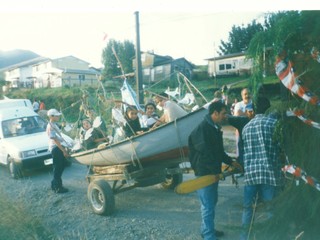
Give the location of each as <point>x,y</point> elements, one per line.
<point>230,64</point>
<point>44,72</point>
<point>20,75</point>
<point>156,67</point>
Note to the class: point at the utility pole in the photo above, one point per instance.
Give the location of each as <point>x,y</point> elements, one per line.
<point>138,62</point>
<point>215,65</point>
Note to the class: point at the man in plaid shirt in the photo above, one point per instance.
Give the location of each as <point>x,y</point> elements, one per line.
<point>262,169</point>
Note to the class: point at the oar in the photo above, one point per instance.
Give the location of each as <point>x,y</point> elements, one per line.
<point>203,181</point>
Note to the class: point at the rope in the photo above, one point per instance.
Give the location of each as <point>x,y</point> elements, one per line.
<point>252,218</point>
<point>134,154</point>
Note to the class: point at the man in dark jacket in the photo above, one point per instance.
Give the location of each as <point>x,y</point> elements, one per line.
<point>206,154</point>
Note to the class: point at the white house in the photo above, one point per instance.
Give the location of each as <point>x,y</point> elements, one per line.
<point>44,72</point>
<point>230,64</point>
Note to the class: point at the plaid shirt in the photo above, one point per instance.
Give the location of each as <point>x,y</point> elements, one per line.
<point>261,153</point>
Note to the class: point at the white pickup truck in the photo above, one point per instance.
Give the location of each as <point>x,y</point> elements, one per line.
<point>23,140</point>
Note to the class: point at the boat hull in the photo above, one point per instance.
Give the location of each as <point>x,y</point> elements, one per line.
<point>165,145</point>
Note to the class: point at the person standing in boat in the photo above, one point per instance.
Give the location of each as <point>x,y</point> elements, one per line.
<point>91,137</point>
<point>171,110</point>
<point>132,126</point>
<point>206,154</point>
<point>150,117</point>
<point>92,115</point>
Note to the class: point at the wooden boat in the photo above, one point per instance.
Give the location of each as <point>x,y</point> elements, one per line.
<point>166,145</point>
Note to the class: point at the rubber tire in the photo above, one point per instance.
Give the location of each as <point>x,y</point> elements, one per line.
<point>172,181</point>
<point>14,169</point>
<point>101,197</point>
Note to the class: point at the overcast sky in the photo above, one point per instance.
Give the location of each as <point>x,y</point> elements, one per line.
<point>58,28</point>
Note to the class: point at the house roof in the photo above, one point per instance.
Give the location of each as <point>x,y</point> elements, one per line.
<point>70,56</point>
<point>78,71</point>
<point>184,60</point>
<point>231,55</point>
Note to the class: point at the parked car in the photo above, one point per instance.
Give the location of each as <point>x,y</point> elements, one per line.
<point>23,140</point>
<point>11,102</point>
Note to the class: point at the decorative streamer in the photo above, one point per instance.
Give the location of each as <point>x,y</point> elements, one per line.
<point>285,72</point>
<point>299,113</point>
<point>299,173</point>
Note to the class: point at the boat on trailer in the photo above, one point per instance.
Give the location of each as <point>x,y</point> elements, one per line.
<point>153,157</point>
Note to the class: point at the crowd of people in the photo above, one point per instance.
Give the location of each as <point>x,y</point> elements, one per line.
<point>94,131</point>
<point>258,156</point>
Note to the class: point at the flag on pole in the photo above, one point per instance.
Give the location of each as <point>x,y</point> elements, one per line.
<point>105,36</point>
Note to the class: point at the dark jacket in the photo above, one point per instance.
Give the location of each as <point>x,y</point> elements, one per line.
<point>90,142</point>
<point>206,151</point>
<point>132,127</point>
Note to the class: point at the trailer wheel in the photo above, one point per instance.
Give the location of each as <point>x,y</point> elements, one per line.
<point>172,181</point>
<point>101,197</point>
<point>14,169</point>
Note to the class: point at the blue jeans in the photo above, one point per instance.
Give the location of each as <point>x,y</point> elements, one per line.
<point>266,193</point>
<point>208,197</point>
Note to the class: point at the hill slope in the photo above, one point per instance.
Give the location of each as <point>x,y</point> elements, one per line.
<point>8,58</point>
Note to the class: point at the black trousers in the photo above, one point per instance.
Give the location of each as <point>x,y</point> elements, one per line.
<point>59,163</point>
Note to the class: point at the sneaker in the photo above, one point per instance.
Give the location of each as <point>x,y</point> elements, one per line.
<point>218,233</point>
<point>61,190</point>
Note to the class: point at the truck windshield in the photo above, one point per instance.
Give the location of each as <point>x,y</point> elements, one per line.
<point>23,126</point>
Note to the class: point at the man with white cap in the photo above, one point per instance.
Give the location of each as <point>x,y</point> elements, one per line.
<point>58,149</point>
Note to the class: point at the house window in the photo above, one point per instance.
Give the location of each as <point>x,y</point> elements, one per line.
<point>82,77</point>
<point>221,67</point>
<point>228,66</point>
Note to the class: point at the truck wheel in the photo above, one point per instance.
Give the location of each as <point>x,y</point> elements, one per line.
<point>101,197</point>
<point>14,169</point>
<point>172,181</point>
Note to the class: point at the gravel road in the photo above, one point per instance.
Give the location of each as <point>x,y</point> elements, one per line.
<point>141,213</point>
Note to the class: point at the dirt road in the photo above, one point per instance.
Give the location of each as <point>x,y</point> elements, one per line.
<point>141,213</point>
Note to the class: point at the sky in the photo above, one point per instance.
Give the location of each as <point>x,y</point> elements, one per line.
<point>179,28</point>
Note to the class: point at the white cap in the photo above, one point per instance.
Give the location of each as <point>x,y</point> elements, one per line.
<point>53,112</point>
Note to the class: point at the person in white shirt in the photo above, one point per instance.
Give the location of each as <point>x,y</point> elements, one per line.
<point>240,110</point>
<point>171,110</point>
<point>240,107</point>
<point>150,117</point>
<point>35,105</point>
<point>58,149</point>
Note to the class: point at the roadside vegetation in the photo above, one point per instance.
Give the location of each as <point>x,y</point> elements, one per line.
<point>16,222</point>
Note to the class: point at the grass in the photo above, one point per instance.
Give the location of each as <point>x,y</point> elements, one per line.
<point>16,222</point>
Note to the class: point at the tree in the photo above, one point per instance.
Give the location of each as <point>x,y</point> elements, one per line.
<point>293,35</point>
<point>239,38</point>
<point>125,51</point>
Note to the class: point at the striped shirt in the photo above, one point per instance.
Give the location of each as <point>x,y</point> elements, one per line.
<point>261,153</point>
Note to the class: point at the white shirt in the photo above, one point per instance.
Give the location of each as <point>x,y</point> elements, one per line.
<point>35,106</point>
<point>240,106</point>
<point>172,111</point>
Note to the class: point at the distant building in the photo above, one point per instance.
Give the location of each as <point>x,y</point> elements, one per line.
<point>156,67</point>
<point>230,64</point>
<point>44,72</point>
